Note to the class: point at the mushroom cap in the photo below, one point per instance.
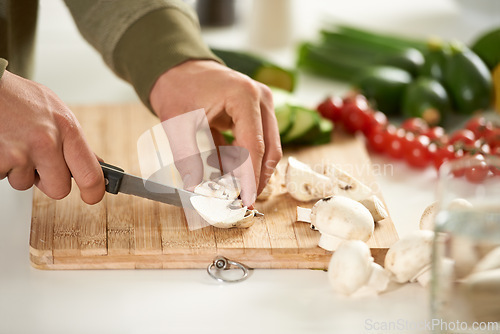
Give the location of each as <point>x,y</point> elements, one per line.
<point>410,256</point>
<point>304,184</point>
<point>350,267</point>
<point>342,217</point>
<point>221,213</point>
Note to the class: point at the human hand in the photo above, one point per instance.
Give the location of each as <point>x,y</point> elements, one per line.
<point>231,101</point>
<point>42,143</point>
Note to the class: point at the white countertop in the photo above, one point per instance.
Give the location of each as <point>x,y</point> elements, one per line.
<point>189,301</point>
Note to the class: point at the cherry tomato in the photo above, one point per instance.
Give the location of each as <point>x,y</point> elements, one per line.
<point>479,172</point>
<point>443,154</point>
<point>356,116</point>
<point>436,133</point>
<point>495,169</point>
<point>331,108</point>
<point>376,120</point>
<point>416,125</point>
<point>493,138</point>
<point>480,126</point>
<point>416,151</point>
<point>394,141</point>
<point>376,139</point>
<point>463,136</point>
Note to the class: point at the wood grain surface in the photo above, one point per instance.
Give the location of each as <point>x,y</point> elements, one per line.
<point>124,231</point>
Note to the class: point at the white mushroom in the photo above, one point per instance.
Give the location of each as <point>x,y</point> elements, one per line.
<point>304,184</point>
<point>429,214</point>
<point>352,271</point>
<point>409,259</point>
<point>225,187</point>
<point>338,218</point>
<point>223,213</point>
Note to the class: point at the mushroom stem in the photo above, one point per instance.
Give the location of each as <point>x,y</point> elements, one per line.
<point>425,277</point>
<point>329,242</point>
<point>379,279</point>
<point>303,214</point>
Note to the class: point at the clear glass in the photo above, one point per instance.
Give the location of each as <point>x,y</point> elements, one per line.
<point>465,289</point>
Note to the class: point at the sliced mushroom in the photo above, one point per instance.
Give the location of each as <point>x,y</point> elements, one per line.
<point>352,271</point>
<point>223,213</point>
<point>339,218</point>
<point>409,259</point>
<point>304,184</point>
<point>225,187</point>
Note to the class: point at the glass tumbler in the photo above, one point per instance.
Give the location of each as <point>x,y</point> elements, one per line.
<point>465,288</point>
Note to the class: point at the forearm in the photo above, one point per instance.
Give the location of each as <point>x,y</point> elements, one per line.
<point>140,40</point>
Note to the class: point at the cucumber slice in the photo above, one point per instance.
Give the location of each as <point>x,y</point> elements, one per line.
<point>306,124</point>
<point>285,115</point>
<point>325,132</point>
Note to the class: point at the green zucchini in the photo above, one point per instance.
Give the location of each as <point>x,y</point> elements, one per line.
<point>487,47</point>
<point>426,98</point>
<point>258,68</point>
<point>384,87</point>
<point>468,80</point>
<point>325,133</point>
<point>305,127</point>
<point>436,57</point>
<point>285,115</point>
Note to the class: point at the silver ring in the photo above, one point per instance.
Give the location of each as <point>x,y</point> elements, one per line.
<point>221,263</point>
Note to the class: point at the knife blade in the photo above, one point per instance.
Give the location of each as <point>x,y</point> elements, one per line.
<point>117,181</point>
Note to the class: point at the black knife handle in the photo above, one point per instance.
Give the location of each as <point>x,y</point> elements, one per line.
<point>113,176</point>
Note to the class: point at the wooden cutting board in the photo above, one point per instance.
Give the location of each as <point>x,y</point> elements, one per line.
<point>123,231</point>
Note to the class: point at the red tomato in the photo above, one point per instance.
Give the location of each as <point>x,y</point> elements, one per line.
<point>443,154</point>
<point>376,119</point>
<point>479,172</point>
<point>416,151</point>
<point>480,126</point>
<point>416,125</point>
<point>394,141</point>
<point>493,138</point>
<point>331,108</point>
<point>463,136</point>
<point>376,139</point>
<point>436,133</point>
<point>355,117</point>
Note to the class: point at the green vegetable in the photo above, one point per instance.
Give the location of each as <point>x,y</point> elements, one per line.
<point>436,58</point>
<point>487,47</point>
<point>382,38</point>
<point>258,68</point>
<point>467,80</point>
<point>285,115</point>
<point>384,86</point>
<point>305,127</point>
<point>325,61</point>
<point>426,98</point>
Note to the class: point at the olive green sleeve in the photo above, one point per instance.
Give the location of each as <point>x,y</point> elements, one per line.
<point>158,41</point>
<point>3,66</point>
<point>140,39</point>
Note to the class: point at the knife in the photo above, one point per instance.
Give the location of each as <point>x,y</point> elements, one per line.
<point>117,181</point>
